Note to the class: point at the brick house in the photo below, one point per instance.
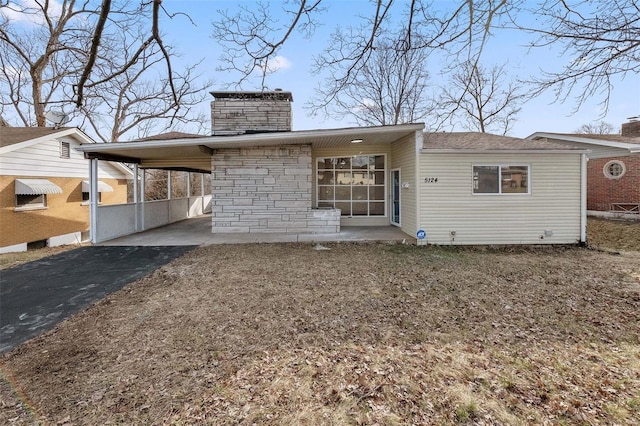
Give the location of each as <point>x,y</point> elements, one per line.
<point>454,188</point>
<point>613,169</point>
<point>44,187</point>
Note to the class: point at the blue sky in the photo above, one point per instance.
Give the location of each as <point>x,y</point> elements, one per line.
<point>193,41</point>
<point>540,114</point>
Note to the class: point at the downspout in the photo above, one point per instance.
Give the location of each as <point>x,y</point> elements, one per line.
<point>418,224</point>
<point>93,200</point>
<point>583,199</point>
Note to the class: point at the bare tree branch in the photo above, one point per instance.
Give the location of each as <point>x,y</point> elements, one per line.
<point>81,43</point>
<point>389,89</point>
<point>601,38</point>
<point>480,100</point>
<point>257,37</point>
<point>599,128</point>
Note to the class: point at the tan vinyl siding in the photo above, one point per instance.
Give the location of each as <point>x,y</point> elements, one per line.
<point>403,157</point>
<point>347,151</point>
<point>449,205</point>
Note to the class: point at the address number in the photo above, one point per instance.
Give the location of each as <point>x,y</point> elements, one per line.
<point>430,180</point>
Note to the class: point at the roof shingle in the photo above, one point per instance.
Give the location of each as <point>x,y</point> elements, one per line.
<point>487,142</point>
<point>14,135</point>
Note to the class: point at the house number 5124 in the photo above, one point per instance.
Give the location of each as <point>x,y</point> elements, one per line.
<point>430,180</point>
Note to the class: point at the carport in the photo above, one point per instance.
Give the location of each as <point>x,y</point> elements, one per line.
<point>294,151</point>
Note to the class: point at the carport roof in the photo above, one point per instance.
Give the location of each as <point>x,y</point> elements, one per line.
<point>194,153</point>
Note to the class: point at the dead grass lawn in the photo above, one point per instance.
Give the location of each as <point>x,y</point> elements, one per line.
<point>613,234</point>
<point>359,334</point>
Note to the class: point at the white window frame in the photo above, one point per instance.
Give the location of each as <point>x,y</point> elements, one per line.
<point>385,171</point>
<point>608,175</point>
<point>500,166</point>
<point>87,201</point>
<point>26,207</point>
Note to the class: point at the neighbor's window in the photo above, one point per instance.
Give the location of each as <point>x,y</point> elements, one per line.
<point>614,169</point>
<point>500,179</point>
<point>31,201</point>
<point>85,197</point>
<point>355,185</point>
<point>65,150</point>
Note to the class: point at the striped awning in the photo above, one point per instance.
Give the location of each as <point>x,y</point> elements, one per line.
<point>36,187</point>
<point>102,187</point>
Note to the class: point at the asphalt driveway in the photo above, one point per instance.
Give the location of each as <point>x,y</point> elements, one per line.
<point>37,295</point>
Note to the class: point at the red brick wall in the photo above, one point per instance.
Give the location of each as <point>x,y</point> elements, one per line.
<point>602,191</point>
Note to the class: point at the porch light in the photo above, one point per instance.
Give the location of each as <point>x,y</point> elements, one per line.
<point>356,140</point>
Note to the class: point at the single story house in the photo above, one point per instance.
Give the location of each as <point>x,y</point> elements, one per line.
<point>613,168</point>
<point>44,187</point>
<point>441,188</point>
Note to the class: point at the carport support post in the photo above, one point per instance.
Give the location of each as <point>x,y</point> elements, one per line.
<point>168,184</point>
<point>93,199</point>
<point>136,177</point>
<point>142,185</point>
<point>202,190</point>
<point>188,194</point>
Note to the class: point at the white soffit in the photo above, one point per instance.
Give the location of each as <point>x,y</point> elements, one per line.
<point>102,186</point>
<point>176,149</point>
<point>36,187</point>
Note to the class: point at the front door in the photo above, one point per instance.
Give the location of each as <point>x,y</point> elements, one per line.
<point>395,197</point>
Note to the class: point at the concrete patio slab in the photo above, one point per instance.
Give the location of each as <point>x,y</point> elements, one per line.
<point>197,231</point>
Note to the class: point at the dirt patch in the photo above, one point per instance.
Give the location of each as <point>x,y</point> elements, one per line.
<point>9,260</point>
<point>358,334</point>
<point>614,234</point>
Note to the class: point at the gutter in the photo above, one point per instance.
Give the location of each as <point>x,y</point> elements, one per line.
<point>292,138</point>
<point>503,151</point>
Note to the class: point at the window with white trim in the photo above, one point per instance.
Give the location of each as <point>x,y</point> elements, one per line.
<point>85,197</point>
<point>355,185</point>
<point>614,169</point>
<point>29,201</point>
<point>501,179</point>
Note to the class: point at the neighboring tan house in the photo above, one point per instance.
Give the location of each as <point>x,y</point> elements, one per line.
<point>44,187</point>
<point>441,188</point>
<point>613,170</point>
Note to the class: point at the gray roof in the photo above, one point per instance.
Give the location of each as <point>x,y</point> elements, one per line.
<point>170,136</point>
<point>488,142</point>
<point>607,138</point>
<point>14,135</point>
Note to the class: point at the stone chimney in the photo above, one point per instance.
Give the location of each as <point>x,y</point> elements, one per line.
<point>236,113</point>
<point>632,128</point>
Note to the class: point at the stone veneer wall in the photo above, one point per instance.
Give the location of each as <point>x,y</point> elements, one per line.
<point>261,190</point>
